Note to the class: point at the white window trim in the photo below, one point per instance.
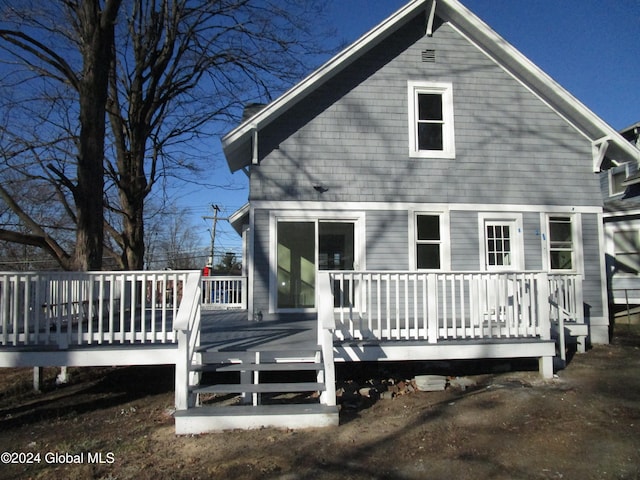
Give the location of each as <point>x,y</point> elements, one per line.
<point>613,171</point>
<point>448,137</point>
<point>517,240</point>
<point>445,240</point>
<point>576,235</point>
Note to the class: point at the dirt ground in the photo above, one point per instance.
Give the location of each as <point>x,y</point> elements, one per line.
<point>116,423</point>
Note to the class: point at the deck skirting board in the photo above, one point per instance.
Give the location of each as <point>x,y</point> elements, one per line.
<point>368,352</point>
<point>104,356</point>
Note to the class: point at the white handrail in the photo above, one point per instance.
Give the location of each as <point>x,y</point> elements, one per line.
<point>394,305</point>
<point>88,308</point>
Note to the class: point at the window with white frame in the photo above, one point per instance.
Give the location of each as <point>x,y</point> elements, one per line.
<point>501,245</point>
<point>561,243</point>
<point>428,242</point>
<point>431,130</point>
<point>627,251</point>
<point>617,176</point>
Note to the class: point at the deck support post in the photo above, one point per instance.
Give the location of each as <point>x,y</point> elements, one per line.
<point>37,378</point>
<point>545,367</point>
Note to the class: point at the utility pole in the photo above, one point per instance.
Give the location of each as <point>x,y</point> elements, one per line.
<point>214,222</point>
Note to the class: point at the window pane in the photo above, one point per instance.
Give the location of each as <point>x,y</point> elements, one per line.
<point>336,245</point>
<point>430,106</point>
<point>428,255</point>
<point>428,227</point>
<point>561,260</point>
<point>498,245</point>
<point>560,229</point>
<point>560,243</point>
<point>430,136</point>
<point>296,264</point>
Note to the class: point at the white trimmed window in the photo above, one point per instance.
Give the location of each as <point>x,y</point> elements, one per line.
<point>561,243</point>
<point>429,247</point>
<point>617,175</point>
<point>502,245</point>
<point>431,130</point>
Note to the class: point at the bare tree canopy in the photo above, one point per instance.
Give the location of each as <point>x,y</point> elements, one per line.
<point>173,72</point>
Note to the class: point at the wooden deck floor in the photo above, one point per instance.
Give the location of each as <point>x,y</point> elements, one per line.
<point>231,331</point>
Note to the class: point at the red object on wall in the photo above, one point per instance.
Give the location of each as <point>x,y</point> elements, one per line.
<point>206,271</point>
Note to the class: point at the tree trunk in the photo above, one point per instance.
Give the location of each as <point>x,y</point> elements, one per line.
<point>97,31</point>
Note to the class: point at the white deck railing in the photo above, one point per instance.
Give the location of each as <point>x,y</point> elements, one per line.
<point>433,307</point>
<point>89,308</point>
<point>224,292</point>
<point>187,327</point>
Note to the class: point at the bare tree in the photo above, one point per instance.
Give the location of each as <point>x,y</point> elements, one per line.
<point>181,72</point>
<point>175,244</point>
<point>91,22</point>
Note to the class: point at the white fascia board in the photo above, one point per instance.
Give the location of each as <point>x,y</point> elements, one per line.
<point>324,73</point>
<point>536,79</point>
<point>237,217</point>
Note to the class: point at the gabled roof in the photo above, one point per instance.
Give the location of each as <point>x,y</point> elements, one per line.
<point>238,145</point>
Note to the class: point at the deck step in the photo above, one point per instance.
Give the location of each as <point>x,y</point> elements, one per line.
<point>261,388</point>
<point>270,367</point>
<point>215,418</point>
<point>250,357</point>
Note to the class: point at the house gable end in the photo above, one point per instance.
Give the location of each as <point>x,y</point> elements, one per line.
<point>239,154</point>
<point>352,135</point>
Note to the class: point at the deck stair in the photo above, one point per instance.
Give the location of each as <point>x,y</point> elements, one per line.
<point>260,379</point>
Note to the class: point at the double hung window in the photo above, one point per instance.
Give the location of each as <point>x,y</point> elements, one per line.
<point>431,133</point>
<point>561,243</point>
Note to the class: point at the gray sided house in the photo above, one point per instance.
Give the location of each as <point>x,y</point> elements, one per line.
<point>430,185</point>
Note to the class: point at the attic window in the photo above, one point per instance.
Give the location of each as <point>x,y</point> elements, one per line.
<point>429,56</point>
<point>431,131</point>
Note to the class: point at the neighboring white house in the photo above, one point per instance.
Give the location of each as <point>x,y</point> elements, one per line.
<point>620,184</point>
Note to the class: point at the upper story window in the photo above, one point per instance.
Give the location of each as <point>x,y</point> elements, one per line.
<point>617,175</point>
<point>431,132</point>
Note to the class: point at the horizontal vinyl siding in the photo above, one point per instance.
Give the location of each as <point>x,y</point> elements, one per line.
<point>387,240</point>
<point>465,253</point>
<point>351,136</point>
<point>261,262</point>
<point>593,283</point>
<point>532,241</point>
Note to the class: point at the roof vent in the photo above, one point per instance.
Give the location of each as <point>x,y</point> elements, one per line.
<point>429,56</point>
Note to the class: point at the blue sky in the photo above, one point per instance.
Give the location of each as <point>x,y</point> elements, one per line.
<point>587,46</point>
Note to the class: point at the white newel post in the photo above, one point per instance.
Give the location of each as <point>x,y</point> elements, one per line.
<point>432,308</point>
<point>182,371</point>
<point>326,326</point>
<point>545,364</point>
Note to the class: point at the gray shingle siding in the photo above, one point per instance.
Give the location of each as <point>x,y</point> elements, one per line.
<point>387,242</point>
<point>591,286</point>
<point>352,135</point>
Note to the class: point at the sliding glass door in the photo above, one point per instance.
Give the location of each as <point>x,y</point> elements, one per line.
<point>303,247</point>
